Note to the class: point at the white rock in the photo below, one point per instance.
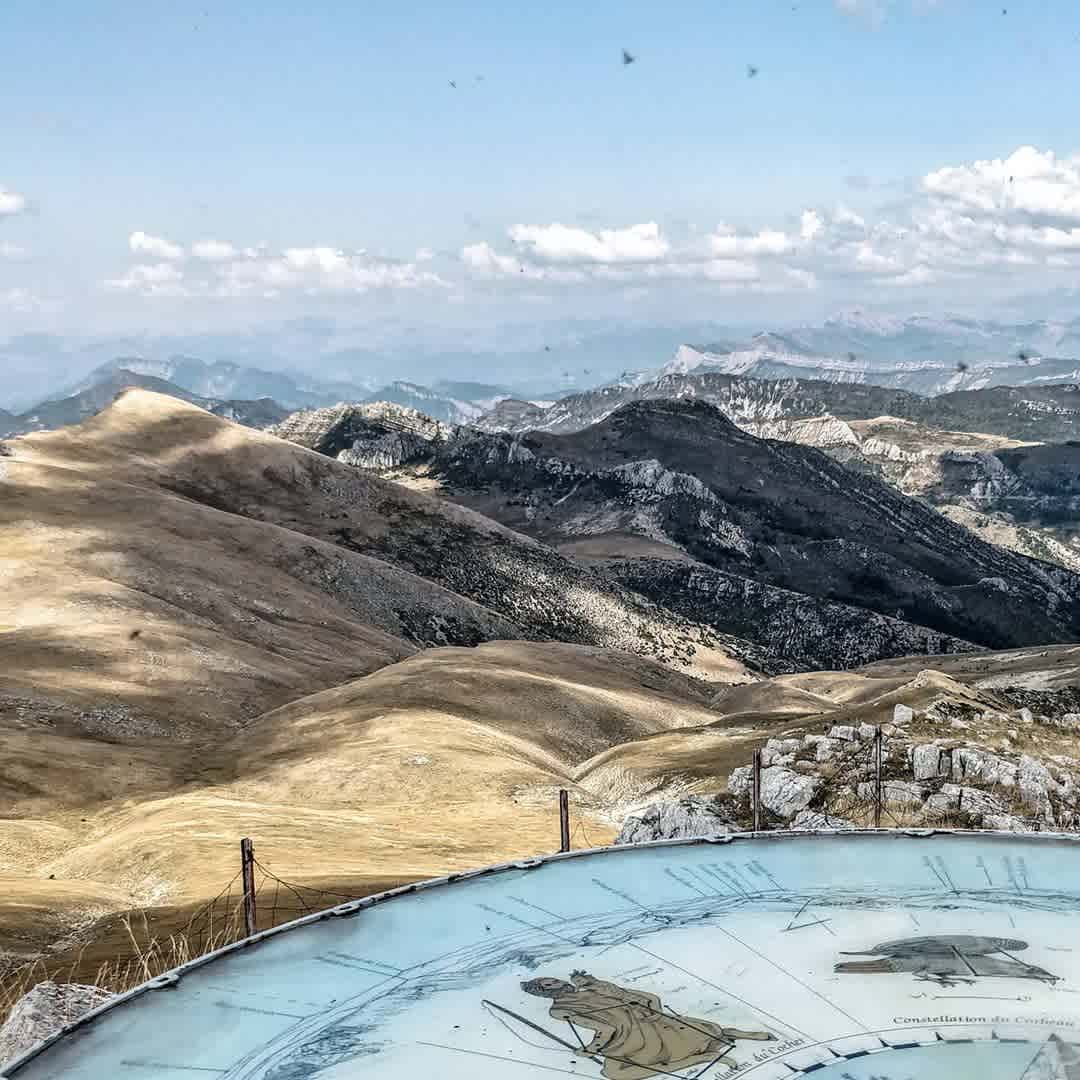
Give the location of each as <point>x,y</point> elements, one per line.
<point>953,797</point>
<point>894,792</point>
<point>780,751</point>
<point>692,816</point>
<point>768,760</point>
<point>740,781</point>
<point>785,792</point>
<point>1027,716</point>
<point>901,714</point>
<point>44,1011</point>
<point>844,732</point>
<point>929,761</point>
<point>827,749</point>
<point>974,763</point>
<point>1035,783</point>
<point>815,821</point>
<point>867,731</point>
<point>1005,823</point>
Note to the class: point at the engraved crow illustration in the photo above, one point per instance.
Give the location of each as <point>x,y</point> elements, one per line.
<point>947,959</point>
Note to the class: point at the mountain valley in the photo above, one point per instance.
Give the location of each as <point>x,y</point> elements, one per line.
<point>381,643</point>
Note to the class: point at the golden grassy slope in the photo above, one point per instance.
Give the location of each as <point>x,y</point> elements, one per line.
<point>448,760</point>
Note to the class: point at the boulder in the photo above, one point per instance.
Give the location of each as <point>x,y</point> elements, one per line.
<point>780,751</point>
<point>817,821</point>
<point>43,1012</point>
<point>867,731</point>
<point>894,792</point>
<point>954,798</point>
<point>901,714</point>
<point>683,819</point>
<point>1035,784</point>
<point>740,781</point>
<point>843,731</point>
<point>974,763</point>
<point>1006,823</point>
<point>929,762</point>
<point>785,793</point>
<point>827,749</point>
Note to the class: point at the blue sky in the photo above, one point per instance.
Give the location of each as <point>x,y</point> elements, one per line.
<point>321,148</point>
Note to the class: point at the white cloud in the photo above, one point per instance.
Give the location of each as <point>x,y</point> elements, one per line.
<point>151,279</point>
<point>11,202</point>
<point>964,222</point>
<point>213,250</point>
<point>21,301</point>
<point>726,244</point>
<point>564,243</point>
<point>143,244</point>
<point>222,269</point>
<point>810,224</point>
<point>1029,185</point>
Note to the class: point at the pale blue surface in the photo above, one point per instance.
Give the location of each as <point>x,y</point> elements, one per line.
<point>744,935</point>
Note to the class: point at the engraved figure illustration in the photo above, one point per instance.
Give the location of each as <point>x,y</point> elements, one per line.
<point>633,1033</point>
<point>947,959</point>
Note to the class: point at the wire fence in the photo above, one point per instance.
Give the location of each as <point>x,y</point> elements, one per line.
<point>865,779</point>
<point>141,945</point>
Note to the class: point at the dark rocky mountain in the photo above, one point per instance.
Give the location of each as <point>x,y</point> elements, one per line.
<point>73,410</point>
<point>781,514</point>
<point>675,501</point>
<point>379,435</point>
<point>1034,413</point>
<point>1038,483</point>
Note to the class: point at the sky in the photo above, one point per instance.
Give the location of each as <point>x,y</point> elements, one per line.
<point>196,168</point>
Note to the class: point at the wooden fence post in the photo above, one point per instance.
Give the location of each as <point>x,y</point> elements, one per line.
<point>877,778</point>
<point>247,871</point>
<point>756,794</point>
<point>564,820</point>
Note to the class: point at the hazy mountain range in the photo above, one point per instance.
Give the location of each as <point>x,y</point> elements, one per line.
<point>929,356</point>
<point>315,363</point>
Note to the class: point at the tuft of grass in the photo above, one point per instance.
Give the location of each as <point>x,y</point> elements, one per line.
<point>148,958</point>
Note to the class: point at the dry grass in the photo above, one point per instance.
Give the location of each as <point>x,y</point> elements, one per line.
<point>146,958</point>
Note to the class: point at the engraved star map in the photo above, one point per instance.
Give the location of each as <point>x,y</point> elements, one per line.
<point>860,956</point>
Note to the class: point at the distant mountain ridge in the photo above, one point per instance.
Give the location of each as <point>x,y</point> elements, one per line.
<point>196,381</point>
<point>61,412</point>
<point>1035,413</point>
<point>223,380</point>
<point>920,353</point>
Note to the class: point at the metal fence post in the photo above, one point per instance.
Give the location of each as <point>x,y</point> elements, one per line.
<point>247,871</point>
<point>757,790</point>
<point>564,820</point>
<point>877,778</point>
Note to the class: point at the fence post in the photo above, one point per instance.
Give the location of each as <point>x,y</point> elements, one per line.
<point>564,820</point>
<point>877,778</point>
<point>757,790</point>
<point>247,871</point>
